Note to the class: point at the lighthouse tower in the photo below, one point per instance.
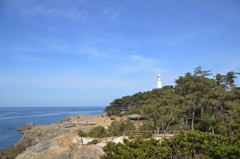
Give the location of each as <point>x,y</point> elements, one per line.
<point>159,81</point>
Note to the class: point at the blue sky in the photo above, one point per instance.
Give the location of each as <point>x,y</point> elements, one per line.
<point>89,52</point>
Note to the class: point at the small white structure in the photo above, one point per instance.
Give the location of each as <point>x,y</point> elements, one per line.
<point>159,81</point>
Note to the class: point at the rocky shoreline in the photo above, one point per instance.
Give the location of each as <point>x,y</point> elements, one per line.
<point>58,140</point>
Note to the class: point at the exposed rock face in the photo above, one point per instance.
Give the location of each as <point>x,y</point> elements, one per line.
<point>86,152</point>
<point>56,141</point>
<point>26,127</point>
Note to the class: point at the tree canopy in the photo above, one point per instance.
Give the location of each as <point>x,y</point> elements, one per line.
<point>191,144</point>
<point>199,101</point>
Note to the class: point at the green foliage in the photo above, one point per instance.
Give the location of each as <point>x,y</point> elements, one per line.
<point>192,144</point>
<point>197,101</point>
<point>210,105</point>
<point>115,129</point>
<point>93,142</point>
<point>98,132</point>
<point>147,126</point>
<point>119,127</point>
<point>81,133</point>
<point>131,102</point>
<point>147,135</point>
<point>137,149</point>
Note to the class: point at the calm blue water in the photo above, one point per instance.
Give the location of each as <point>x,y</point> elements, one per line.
<point>14,117</point>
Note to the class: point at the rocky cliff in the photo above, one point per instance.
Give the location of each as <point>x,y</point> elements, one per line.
<point>57,141</point>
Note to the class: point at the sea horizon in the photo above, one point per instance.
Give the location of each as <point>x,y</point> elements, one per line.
<point>50,106</point>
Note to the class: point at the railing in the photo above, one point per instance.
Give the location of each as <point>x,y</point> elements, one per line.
<point>158,133</point>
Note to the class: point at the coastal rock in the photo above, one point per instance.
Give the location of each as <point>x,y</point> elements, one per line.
<point>26,127</point>
<point>3,156</point>
<point>86,152</point>
<point>51,154</point>
<point>38,147</point>
<point>56,141</point>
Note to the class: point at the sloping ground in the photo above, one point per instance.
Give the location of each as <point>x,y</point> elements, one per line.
<point>66,146</point>
<point>54,141</point>
<point>58,151</point>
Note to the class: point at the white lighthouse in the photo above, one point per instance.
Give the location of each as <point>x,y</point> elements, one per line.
<point>159,81</point>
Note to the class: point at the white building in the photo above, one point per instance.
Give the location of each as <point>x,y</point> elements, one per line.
<point>159,81</point>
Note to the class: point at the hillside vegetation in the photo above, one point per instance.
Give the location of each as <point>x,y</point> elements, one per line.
<point>199,100</point>
<point>187,145</point>
<point>203,108</point>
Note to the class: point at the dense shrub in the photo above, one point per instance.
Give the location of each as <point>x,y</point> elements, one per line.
<point>202,145</point>
<point>119,127</point>
<point>147,135</point>
<point>81,133</point>
<point>97,132</point>
<point>148,126</point>
<point>115,129</point>
<point>192,144</point>
<point>138,149</point>
<point>94,141</point>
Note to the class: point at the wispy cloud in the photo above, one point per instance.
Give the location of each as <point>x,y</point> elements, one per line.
<point>54,46</point>
<point>232,64</point>
<point>29,58</point>
<point>201,32</point>
<point>142,64</point>
<point>69,81</point>
<point>55,11</point>
<point>94,52</point>
<point>56,8</point>
<point>17,48</point>
<point>112,13</point>
<point>93,47</point>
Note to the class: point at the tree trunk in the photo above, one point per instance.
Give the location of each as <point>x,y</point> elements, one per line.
<point>162,126</point>
<point>202,111</point>
<point>186,122</point>
<point>193,118</point>
<point>155,126</point>
<point>211,125</point>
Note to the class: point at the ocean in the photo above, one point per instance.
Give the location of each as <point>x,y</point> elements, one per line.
<point>14,117</point>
